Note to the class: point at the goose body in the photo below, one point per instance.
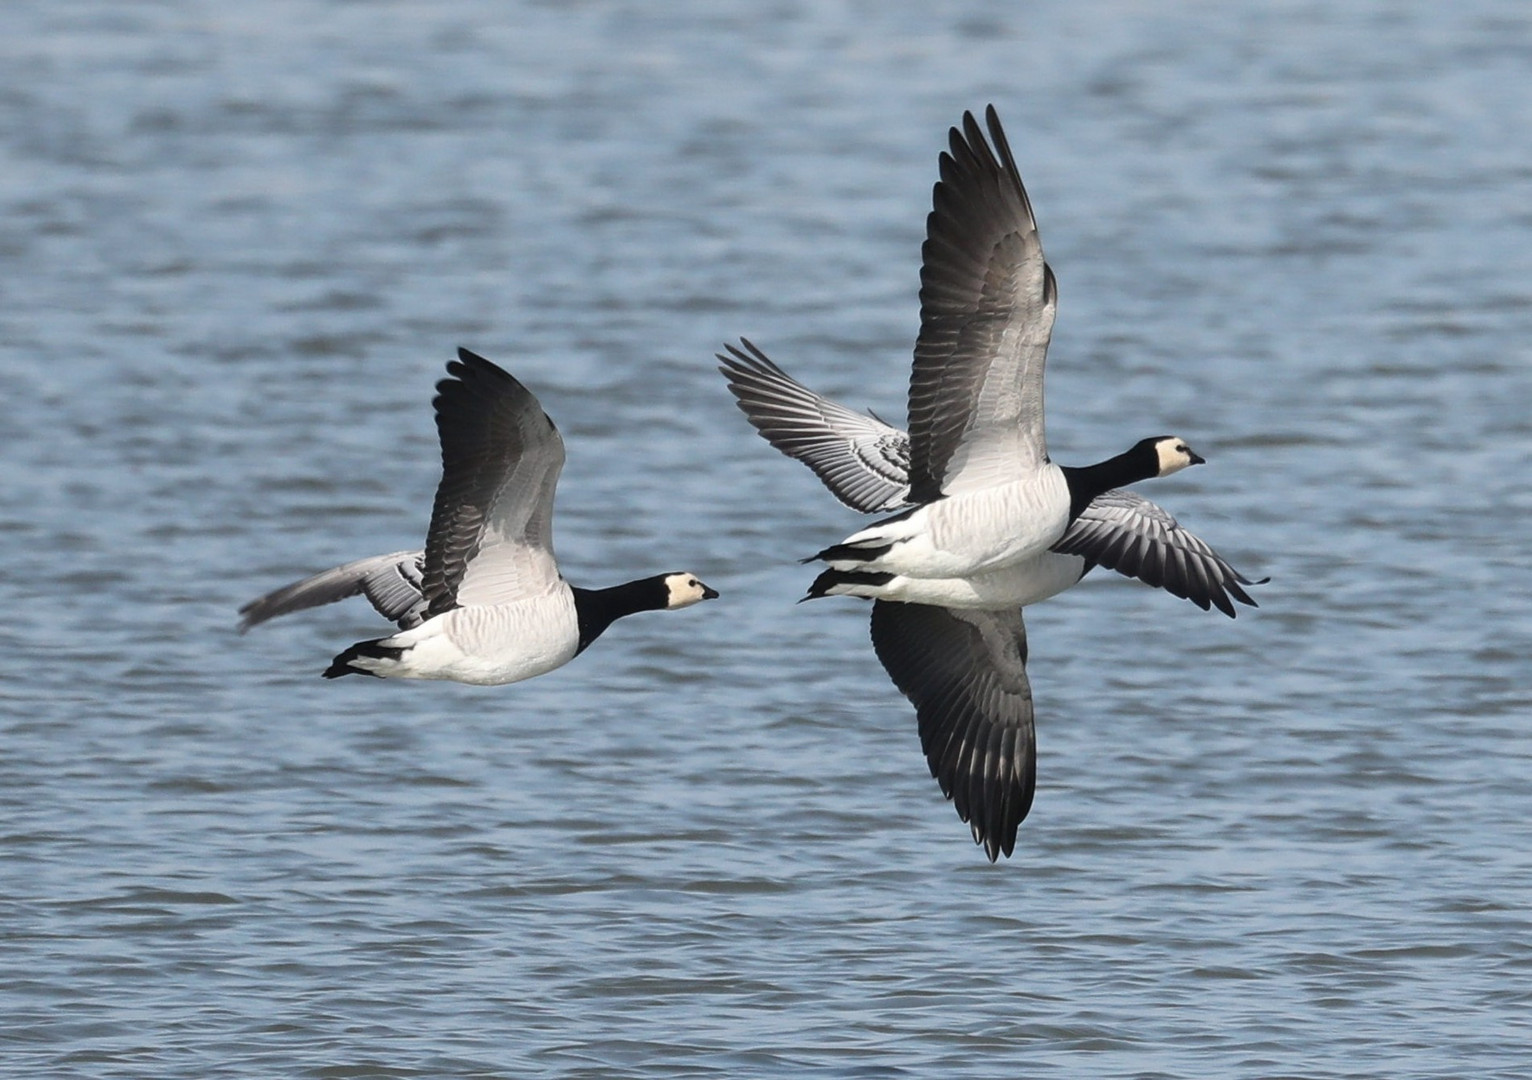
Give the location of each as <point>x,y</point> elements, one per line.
<point>863,462</point>
<point>486,645</point>
<point>965,534</point>
<point>984,522</point>
<point>484,602</point>
<point>984,492</point>
<point>1016,585</point>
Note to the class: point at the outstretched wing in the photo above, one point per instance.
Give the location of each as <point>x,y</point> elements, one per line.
<point>966,673</point>
<point>390,582</point>
<point>864,462</point>
<point>1126,532</point>
<point>987,302</point>
<point>491,535</point>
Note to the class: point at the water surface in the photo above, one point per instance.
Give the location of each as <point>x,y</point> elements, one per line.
<point>238,244</point>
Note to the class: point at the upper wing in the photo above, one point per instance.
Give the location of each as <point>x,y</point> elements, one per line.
<point>966,673</point>
<point>987,301</point>
<point>391,582</point>
<point>491,536</point>
<point>864,462</point>
<point>1126,532</point>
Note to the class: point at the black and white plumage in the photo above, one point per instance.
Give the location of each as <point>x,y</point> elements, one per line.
<point>984,495</point>
<point>984,492</point>
<point>964,669</point>
<point>988,524</point>
<point>484,602</point>
<point>864,463</point>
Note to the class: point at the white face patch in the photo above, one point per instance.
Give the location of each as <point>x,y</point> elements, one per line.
<point>684,590</point>
<point>1174,455</point>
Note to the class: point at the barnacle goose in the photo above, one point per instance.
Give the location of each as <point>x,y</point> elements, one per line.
<point>484,603</point>
<point>988,522</point>
<point>864,463</point>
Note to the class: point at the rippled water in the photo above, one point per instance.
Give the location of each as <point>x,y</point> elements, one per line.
<point>237,245</point>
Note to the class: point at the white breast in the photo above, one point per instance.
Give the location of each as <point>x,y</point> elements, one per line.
<point>963,535</point>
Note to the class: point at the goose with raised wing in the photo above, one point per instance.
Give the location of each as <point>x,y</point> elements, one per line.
<point>984,493</point>
<point>864,463</point>
<point>484,603</point>
<point>987,522</point>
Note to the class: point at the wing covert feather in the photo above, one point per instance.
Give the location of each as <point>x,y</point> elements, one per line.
<point>491,535</point>
<point>1124,531</point>
<point>987,305</point>
<point>863,461</point>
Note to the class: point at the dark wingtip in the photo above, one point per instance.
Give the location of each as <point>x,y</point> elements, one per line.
<point>994,845</point>
<point>972,135</point>
<point>1234,589</point>
<point>749,357</point>
<point>469,361</point>
<point>997,136</point>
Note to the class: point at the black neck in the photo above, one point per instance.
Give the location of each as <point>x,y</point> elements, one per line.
<point>1140,462</point>
<point>599,608</point>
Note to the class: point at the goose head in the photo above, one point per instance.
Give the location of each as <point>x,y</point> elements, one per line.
<point>1171,454</point>
<point>683,589</point>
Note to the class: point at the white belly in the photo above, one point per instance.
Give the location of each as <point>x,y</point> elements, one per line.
<point>1018,585</point>
<point>967,534</point>
<point>489,645</point>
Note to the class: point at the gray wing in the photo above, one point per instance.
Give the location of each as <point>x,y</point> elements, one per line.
<point>987,302</point>
<point>491,535</point>
<point>1126,532</point>
<point>966,674</point>
<point>864,462</point>
<point>390,582</point>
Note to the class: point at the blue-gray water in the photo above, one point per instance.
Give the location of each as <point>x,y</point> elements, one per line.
<point>237,245</point>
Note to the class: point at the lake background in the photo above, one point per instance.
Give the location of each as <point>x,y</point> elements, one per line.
<point>238,243</point>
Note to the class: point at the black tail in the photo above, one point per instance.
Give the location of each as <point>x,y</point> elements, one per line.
<point>847,553</point>
<point>342,665</point>
<point>831,578</point>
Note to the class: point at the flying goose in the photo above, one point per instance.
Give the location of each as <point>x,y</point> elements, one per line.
<point>984,492</point>
<point>864,463</point>
<point>484,603</point>
<point>989,523</point>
